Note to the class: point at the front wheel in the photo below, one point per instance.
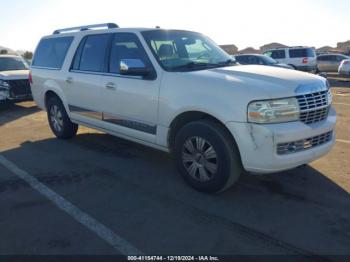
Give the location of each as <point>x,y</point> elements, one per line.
<point>59,121</point>
<point>207,156</point>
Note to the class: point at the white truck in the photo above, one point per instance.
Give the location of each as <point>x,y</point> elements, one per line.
<point>178,92</point>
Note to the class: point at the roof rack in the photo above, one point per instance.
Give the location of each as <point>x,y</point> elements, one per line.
<point>85,28</point>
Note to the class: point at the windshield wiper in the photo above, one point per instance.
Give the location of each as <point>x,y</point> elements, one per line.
<point>193,65</point>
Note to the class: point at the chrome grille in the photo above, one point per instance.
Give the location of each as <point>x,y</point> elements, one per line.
<point>314,107</point>
<point>305,144</point>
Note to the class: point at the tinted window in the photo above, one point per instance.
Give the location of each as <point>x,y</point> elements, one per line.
<point>93,53</point>
<point>242,59</point>
<point>126,46</point>
<point>52,52</point>
<point>276,54</point>
<point>303,52</point>
<point>12,63</point>
<point>323,58</point>
<point>253,60</point>
<point>340,58</point>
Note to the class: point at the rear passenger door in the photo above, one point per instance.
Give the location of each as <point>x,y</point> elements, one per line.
<point>130,103</point>
<point>84,82</point>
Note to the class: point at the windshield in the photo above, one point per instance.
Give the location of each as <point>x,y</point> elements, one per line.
<point>268,60</point>
<point>185,51</point>
<point>12,63</point>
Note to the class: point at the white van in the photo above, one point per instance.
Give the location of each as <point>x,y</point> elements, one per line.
<point>299,57</point>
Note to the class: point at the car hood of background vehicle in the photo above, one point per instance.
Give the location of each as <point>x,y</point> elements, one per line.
<point>273,81</point>
<point>15,74</point>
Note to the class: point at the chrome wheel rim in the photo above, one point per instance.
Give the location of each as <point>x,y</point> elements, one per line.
<point>56,118</point>
<point>200,159</point>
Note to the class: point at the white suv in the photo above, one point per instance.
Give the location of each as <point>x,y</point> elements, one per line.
<point>299,57</point>
<point>179,92</point>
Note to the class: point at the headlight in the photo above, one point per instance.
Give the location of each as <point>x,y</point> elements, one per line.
<point>274,111</point>
<point>4,84</point>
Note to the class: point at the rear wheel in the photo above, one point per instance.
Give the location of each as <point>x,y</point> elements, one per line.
<point>59,121</point>
<point>207,157</point>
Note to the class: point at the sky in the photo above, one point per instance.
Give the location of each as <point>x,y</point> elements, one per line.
<point>245,23</point>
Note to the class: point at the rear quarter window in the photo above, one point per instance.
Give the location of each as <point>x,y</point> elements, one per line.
<point>51,52</point>
<point>276,54</point>
<point>302,52</point>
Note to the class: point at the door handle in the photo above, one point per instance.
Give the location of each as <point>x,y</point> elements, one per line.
<point>111,86</point>
<point>69,80</point>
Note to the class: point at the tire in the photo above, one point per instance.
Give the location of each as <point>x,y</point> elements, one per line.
<point>197,163</point>
<point>59,121</point>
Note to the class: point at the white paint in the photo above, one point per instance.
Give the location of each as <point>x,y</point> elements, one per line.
<point>343,141</point>
<point>92,224</point>
<point>344,104</point>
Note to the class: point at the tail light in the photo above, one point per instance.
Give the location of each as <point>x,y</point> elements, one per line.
<point>30,78</point>
<point>305,60</point>
<point>346,62</point>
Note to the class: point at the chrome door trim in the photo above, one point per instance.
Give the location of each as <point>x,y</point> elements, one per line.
<point>116,120</point>
<point>85,112</point>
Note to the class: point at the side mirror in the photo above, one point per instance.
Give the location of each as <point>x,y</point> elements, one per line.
<point>133,67</point>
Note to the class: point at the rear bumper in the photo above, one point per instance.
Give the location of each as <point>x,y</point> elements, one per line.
<point>258,144</point>
<point>311,69</point>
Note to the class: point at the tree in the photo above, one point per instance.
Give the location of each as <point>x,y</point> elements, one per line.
<point>3,52</point>
<point>28,55</point>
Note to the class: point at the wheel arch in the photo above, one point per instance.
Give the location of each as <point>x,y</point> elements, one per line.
<point>190,116</point>
<point>53,93</point>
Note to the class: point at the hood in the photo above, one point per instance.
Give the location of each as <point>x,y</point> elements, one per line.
<point>272,81</point>
<point>226,92</point>
<point>14,75</point>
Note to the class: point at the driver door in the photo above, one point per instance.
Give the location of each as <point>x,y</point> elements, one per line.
<point>130,102</point>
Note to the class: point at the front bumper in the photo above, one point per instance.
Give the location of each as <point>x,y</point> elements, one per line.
<point>258,143</point>
<point>18,90</point>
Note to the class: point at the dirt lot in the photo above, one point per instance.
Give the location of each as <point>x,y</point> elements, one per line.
<point>103,195</point>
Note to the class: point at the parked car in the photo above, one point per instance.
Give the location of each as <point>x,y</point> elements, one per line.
<point>178,92</point>
<point>330,62</point>
<point>255,59</point>
<point>344,68</point>
<point>299,57</point>
<point>14,83</point>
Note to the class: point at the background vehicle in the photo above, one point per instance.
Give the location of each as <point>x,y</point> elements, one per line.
<point>330,62</point>
<point>254,59</point>
<point>300,58</point>
<point>14,83</point>
<point>344,68</point>
<point>177,91</point>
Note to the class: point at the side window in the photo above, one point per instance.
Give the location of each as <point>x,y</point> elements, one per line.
<point>340,58</point>
<point>278,54</point>
<point>52,52</point>
<point>242,59</point>
<point>322,58</point>
<point>126,46</point>
<point>93,53</point>
<point>302,52</point>
<point>252,60</point>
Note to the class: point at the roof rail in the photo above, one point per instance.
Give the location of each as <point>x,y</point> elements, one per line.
<point>85,28</point>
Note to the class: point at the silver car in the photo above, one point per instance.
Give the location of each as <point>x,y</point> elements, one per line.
<point>330,62</point>
<point>344,68</point>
